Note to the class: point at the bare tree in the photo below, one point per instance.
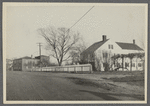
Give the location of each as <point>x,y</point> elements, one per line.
<point>76,51</point>
<point>59,42</point>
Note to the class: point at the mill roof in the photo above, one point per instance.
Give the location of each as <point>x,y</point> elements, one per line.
<point>129,46</point>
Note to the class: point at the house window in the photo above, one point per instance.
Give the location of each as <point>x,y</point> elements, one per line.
<point>133,64</point>
<point>126,64</point>
<point>120,64</point>
<point>139,65</point>
<point>105,55</point>
<point>110,46</point>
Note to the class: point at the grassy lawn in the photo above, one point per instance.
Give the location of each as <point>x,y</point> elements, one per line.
<point>120,73</point>
<point>132,78</point>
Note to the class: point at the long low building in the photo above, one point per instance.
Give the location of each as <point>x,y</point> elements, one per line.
<point>28,63</point>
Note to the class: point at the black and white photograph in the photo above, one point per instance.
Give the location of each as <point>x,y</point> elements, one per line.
<point>75,53</point>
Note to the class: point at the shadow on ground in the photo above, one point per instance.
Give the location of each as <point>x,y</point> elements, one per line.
<point>87,82</point>
<point>109,96</point>
<point>106,86</point>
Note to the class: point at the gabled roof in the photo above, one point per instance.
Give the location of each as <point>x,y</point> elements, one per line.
<point>42,56</point>
<point>129,46</point>
<point>26,57</point>
<point>94,47</point>
<point>38,57</point>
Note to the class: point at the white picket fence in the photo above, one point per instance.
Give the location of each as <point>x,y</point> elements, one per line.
<point>68,68</point>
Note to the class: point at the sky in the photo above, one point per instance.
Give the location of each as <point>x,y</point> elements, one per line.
<point>121,23</point>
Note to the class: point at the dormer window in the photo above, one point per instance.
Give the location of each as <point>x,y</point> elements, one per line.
<point>110,47</point>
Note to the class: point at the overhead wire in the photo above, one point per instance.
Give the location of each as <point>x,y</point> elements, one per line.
<point>81,17</point>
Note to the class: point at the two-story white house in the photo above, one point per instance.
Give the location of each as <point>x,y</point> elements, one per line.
<point>100,55</point>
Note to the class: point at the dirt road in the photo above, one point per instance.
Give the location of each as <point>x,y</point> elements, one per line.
<point>67,86</point>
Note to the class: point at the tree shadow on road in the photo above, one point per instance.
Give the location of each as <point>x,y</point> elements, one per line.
<point>87,82</point>
<point>109,96</point>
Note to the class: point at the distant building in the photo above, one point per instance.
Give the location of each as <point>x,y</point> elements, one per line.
<point>25,64</point>
<point>45,61</point>
<point>9,64</point>
<point>100,55</point>
<point>29,63</point>
<point>42,57</point>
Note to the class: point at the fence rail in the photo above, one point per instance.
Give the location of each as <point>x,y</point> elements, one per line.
<point>68,68</point>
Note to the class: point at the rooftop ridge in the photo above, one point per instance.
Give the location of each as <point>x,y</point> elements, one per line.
<point>94,46</point>
<point>129,46</point>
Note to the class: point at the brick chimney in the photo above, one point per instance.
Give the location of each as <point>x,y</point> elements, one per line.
<point>133,41</point>
<point>104,37</point>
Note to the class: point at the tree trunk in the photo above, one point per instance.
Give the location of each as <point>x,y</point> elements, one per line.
<point>130,64</point>
<point>59,63</point>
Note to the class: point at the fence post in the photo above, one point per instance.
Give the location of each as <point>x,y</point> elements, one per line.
<point>68,70</point>
<point>75,69</point>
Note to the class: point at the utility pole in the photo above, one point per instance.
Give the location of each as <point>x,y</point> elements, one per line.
<point>39,44</point>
